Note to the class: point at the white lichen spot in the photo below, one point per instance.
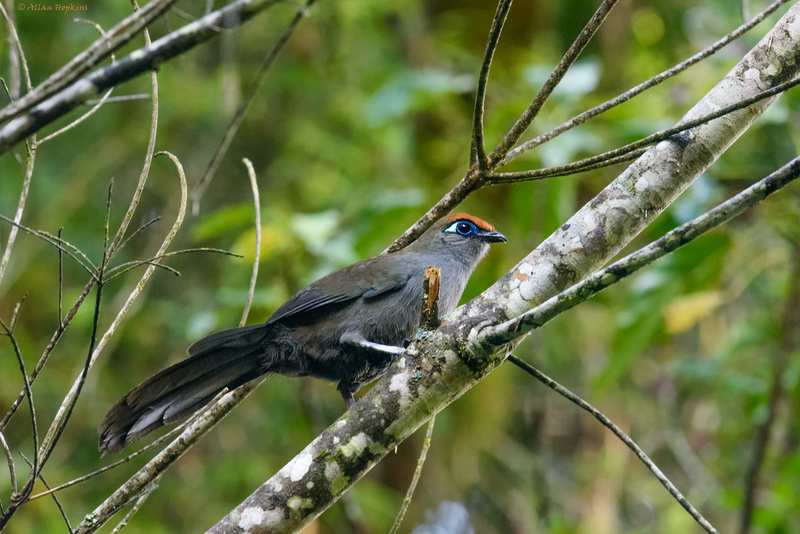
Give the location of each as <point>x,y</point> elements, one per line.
<point>335,440</point>
<point>310,485</point>
<point>300,466</point>
<point>663,145</point>
<point>251,517</point>
<point>341,423</point>
<point>356,445</point>
<point>754,75</point>
<point>401,364</point>
<point>399,382</point>
<point>527,290</point>
<point>332,470</point>
<point>296,503</point>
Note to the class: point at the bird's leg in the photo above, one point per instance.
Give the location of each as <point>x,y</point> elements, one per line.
<point>349,399</point>
<point>355,339</point>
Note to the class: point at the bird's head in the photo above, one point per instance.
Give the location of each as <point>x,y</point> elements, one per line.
<point>459,234</point>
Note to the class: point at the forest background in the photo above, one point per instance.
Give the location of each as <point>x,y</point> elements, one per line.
<point>363,123</point>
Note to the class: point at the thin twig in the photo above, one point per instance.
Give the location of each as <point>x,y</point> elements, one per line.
<point>642,87</point>
<point>510,177</point>
<point>123,268</point>
<point>23,197</point>
<point>426,445</point>
<point>121,98</point>
<point>566,393</point>
<point>139,502</point>
<point>12,472</point>
<point>251,292</point>
<point>60,283</point>
<point>72,251</point>
<point>236,122</point>
<point>549,86</point>
<point>136,232</point>
<point>118,36</point>
<point>129,67</point>
<point>478,152</point>
<point>55,498</point>
<point>517,327</point>
<point>28,393</point>
<point>14,38</point>
<point>99,104</point>
<point>133,455</point>
<point>790,340</point>
<point>18,498</point>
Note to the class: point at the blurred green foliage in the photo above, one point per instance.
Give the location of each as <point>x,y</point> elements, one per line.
<point>363,123</point>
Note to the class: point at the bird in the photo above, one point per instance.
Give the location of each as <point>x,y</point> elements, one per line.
<point>346,327</point>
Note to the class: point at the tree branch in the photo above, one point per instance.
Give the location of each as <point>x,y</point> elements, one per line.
<point>140,61</point>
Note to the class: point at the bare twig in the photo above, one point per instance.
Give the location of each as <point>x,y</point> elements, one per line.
<point>251,173</point>
<point>524,323</point>
<point>131,66</point>
<point>426,445</point>
<point>27,384</point>
<point>55,498</point>
<point>564,392</point>
<point>23,197</point>
<point>98,105</point>
<point>625,151</point>
<point>478,152</point>
<point>18,498</point>
<point>233,127</point>
<point>14,38</point>
<point>86,60</point>
<point>790,340</point>
<point>72,251</point>
<point>12,472</point>
<point>133,455</point>
<point>139,502</point>
<point>642,87</point>
<point>430,299</point>
<point>566,62</point>
<point>123,268</point>
<point>139,480</point>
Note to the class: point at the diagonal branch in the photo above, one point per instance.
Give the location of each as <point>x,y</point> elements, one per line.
<point>513,329</point>
<point>605,421</point>
<point>118,36</point>
<point>129,67</point>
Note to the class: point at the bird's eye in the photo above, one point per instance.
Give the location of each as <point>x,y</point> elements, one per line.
<point>464,228</point>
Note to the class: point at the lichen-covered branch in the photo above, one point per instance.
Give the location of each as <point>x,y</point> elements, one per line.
<point>443,364</point>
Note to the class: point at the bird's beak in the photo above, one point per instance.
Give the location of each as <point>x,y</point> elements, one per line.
<point>493,237</point>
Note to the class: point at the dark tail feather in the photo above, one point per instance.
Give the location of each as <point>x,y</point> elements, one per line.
<point>223,360</point>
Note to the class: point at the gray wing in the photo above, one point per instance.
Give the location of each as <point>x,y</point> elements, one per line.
<point>366,279</point>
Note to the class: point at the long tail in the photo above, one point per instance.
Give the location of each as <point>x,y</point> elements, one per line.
<point>223,360</point>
